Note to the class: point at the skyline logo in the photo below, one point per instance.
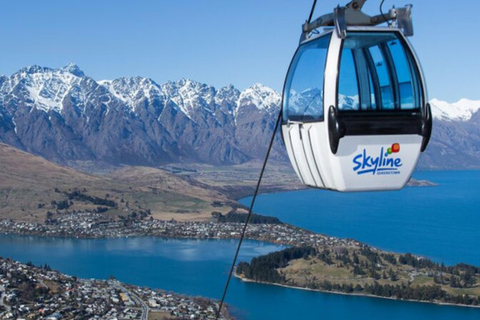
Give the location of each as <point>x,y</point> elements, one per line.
<point>386,162</point>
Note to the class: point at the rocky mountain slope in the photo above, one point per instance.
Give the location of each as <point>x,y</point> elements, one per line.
<point>68,117</point>
<point>62,114</point>
<point>455,142</point>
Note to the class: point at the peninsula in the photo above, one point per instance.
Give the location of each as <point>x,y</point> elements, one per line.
<point>363,270</point>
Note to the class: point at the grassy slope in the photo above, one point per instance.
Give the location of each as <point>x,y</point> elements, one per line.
<point>179,191</point>
<point>304,271</point>
<point>239,181</point>
<point>28,183</point>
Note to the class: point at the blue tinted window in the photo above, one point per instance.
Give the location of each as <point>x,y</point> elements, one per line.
<point>348,95</point>
<point>386,76</point>
<point>404,75</point>
<point>382,71</point>
<point>303,93</point>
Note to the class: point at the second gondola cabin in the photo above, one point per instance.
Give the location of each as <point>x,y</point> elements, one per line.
<point>355,113</point>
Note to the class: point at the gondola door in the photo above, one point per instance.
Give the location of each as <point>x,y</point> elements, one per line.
<point>379,101</point>
<point>304,129</point>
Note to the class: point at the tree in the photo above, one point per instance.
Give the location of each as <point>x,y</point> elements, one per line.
<point>454,283</point>
<point>392,275</point>
<point>355,258</point>
<point>358,271</point>
<point>469,278</point>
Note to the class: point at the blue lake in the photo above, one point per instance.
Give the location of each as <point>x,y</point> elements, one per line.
<point>441,222</point>
<point>438,222</point>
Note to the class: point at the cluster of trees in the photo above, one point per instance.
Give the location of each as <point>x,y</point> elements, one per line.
<point>367,262</point>
<point>464,279</point>
<point>417,262</point>
<point>133,216</point>
<point>103,204</point>
<point>368,266</point>
<point>263,268</point>
<point>62,204</point>
<point>28,290</point>
<point>65,204</point>
<point>459,276</point>
<point>140,215</point>
<point>325,256</point>
<point>399,291</point>
<point>389,257</point>
<point>77,195</point>
<point>236,217</point>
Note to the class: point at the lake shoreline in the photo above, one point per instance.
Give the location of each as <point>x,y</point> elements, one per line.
<point>230,233</point>
<point>351,294</point>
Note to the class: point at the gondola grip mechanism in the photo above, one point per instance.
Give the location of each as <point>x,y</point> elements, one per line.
<point>404,20</point>
<point>352,15</point>
<point>340,23</point>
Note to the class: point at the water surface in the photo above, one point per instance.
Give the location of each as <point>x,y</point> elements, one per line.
<point>440,222</point>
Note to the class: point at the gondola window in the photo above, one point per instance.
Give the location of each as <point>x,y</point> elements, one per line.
<point>305,81</point>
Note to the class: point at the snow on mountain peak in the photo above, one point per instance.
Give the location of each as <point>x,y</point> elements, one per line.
<point>261,96</point>
<point>189,95</point>
<point>73,69</point>
<point>47,87</point>
<point>33,69</point>
<point>458,111</point>
<point>228,93</point>
<point>131,90</point>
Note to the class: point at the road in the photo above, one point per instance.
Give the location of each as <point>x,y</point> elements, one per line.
<point>135,298</point>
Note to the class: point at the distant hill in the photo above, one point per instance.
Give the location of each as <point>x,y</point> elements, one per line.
<point>69,118</point>
<point>455,142</point>
<point>30,186</point>
<point>20,169</point>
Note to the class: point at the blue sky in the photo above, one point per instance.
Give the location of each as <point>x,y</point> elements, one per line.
<point>219,42</point>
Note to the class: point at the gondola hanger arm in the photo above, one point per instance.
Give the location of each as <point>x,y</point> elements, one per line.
<point>352,15</point>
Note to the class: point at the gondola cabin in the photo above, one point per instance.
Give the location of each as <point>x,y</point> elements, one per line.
<point>355,114</point>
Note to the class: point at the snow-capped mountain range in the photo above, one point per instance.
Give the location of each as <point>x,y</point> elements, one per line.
<point>462,110</point>
<point>64,115</point>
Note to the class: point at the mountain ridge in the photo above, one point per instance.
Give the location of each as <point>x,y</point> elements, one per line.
<point>64,115</point>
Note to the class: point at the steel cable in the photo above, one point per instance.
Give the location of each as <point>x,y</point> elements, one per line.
<point>311,11</point>
<point>248,216</point>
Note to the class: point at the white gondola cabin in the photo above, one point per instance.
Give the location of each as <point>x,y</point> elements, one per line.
<point>355,112</point>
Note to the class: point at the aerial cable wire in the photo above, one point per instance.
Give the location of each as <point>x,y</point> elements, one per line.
<point>381,12</point>
<point>249,214</point>
<point>254,197</point>
<point>311,11</point>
